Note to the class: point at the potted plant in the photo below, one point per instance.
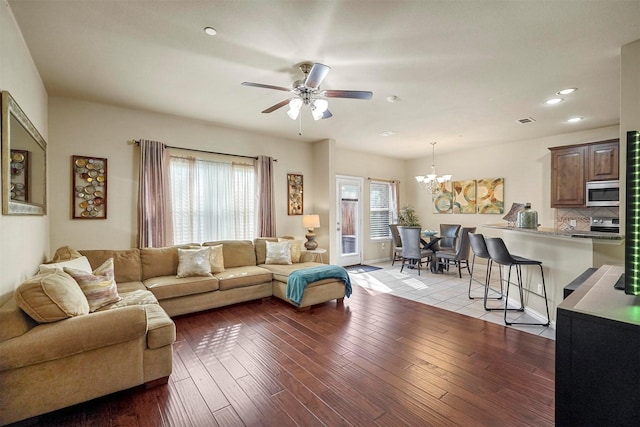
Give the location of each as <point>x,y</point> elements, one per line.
<point>407,217</point>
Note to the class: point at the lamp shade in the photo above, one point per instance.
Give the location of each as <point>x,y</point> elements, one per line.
<point>311,221</point>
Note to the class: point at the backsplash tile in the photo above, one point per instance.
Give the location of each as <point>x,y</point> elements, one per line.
<point>582,216</point>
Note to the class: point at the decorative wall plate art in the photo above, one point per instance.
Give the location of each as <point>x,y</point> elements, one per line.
<point>89,187</point>
<point>295,197</point>
<point>490,195</point>
<point>464,196</point>
<point>443,199</point>
<point>19,175</point>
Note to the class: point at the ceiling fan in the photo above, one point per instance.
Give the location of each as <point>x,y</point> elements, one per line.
<point>306,92</point>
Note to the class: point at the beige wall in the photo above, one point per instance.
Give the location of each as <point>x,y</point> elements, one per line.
<point>24,240</point>
<point>365,165</point>
<point>525,167</point>
<point>89,129</point>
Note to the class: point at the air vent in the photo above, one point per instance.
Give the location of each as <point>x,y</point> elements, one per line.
<point>526,120</point>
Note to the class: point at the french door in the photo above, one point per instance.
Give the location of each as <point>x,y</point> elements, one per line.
<point>349,216</point>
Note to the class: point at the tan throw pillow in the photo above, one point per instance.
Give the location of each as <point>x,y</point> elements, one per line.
<point>278,253</point>
<point>296,249</point>
<point>194,262</point>
<point>81,263</point>
<point>65,253</point>
<point>51,296</point>
<point>217,259</point>
<point>98,286</point>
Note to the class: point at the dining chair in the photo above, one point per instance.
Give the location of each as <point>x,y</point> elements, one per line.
<point>412,250</point>
<point>397,243</point>
<point>449,236</point>
<point>461,254</point>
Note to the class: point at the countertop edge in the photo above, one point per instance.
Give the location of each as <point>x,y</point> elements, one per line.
<point>554,232</point>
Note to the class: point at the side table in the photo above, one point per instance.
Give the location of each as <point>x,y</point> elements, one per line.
<point>317,254</point>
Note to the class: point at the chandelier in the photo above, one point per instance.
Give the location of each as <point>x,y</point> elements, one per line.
<point>432,181</point>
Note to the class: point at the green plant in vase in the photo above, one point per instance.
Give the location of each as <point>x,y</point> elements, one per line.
<point>407,217</point>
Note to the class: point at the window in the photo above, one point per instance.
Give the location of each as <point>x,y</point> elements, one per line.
<point>381,211</point>
<point>211,200</point>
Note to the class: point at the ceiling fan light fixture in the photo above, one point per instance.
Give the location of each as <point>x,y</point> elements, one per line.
<point>321,105</point>
<point>294,108</point>
<point>293,114</point>
<point>318,107</point>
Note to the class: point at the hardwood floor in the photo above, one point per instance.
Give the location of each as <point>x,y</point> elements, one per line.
<point>377,360</point>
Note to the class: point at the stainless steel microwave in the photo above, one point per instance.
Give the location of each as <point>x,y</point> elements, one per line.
<point>603,193</point>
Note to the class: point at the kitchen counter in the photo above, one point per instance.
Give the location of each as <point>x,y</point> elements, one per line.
<point>556,232</point>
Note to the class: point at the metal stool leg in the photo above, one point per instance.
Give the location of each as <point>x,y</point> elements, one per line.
<point>520,286</point>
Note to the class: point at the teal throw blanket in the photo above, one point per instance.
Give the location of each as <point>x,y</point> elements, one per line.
<point>299,279</point>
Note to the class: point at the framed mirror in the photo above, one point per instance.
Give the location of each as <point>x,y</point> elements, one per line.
<point>24,162</point>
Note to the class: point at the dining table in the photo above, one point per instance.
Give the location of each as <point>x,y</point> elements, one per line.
<point>433,246</point>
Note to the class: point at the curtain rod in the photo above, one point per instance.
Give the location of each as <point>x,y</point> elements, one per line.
<point>136,142</point>
<point>384,180</point>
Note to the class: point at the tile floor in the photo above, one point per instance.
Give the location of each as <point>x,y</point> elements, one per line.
<point>446,291</point>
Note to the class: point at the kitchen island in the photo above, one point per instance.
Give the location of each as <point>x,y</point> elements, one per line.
<point>565,254</point>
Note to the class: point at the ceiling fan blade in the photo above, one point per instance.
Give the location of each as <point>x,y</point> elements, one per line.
<point>327,115</point>
<point>353,94</point>
<point>316,75</point>
<point>276,106</point>
<point>266,86</point>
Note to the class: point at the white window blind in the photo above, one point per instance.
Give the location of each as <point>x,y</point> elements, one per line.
<point>211,200</point>
<point>380,215</point>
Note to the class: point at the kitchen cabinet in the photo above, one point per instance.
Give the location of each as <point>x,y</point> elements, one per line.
<point>568,173</point>
<point>603,161</point>
<point>573,165</point>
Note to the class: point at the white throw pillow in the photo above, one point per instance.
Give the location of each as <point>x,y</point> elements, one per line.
<point>278,252</point>
<point>296,249</point>
<point>217,259</point>
<point>98,286</point>
<point>194,262</point>
<point>81,263</point>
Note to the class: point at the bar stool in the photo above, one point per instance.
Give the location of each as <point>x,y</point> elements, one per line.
<point>499,253</point>
<point>479,249</point>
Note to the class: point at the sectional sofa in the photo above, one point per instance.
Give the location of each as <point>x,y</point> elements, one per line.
<point>57,351</point>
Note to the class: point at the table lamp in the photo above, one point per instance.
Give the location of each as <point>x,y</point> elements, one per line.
<point>310,222</point>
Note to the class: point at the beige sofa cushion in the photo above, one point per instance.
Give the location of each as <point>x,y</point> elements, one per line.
<point>161,330</point>
<point>240,277</point>
<point>165,287</point>
<point>281,272</point>
<point>51,296</point>
<point>260,245</point>
<point>126,263</point>
<point>157,262</point>
<point>13,321</point>
<point>65,253</point>
<point>236,253</point>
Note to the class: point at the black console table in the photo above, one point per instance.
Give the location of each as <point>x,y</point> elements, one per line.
<point>598,354</point>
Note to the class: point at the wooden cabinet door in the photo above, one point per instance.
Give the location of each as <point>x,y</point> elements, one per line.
<point>603,161</point>
<point>568,172</point>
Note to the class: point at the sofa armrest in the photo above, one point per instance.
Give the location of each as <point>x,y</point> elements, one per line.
<point>57,340</point>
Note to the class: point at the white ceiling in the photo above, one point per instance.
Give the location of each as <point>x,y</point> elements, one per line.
<point>464,71</point>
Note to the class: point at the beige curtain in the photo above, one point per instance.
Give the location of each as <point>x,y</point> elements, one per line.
<point>394,199</point>
<point>154,200</point>
<point>266,218</point>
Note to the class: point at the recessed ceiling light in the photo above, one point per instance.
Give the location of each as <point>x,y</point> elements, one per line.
<point>575,119</point>
<point>566,91</point>
<point>553,101</point>
<point>210,30</point>
<point>392,98</point>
